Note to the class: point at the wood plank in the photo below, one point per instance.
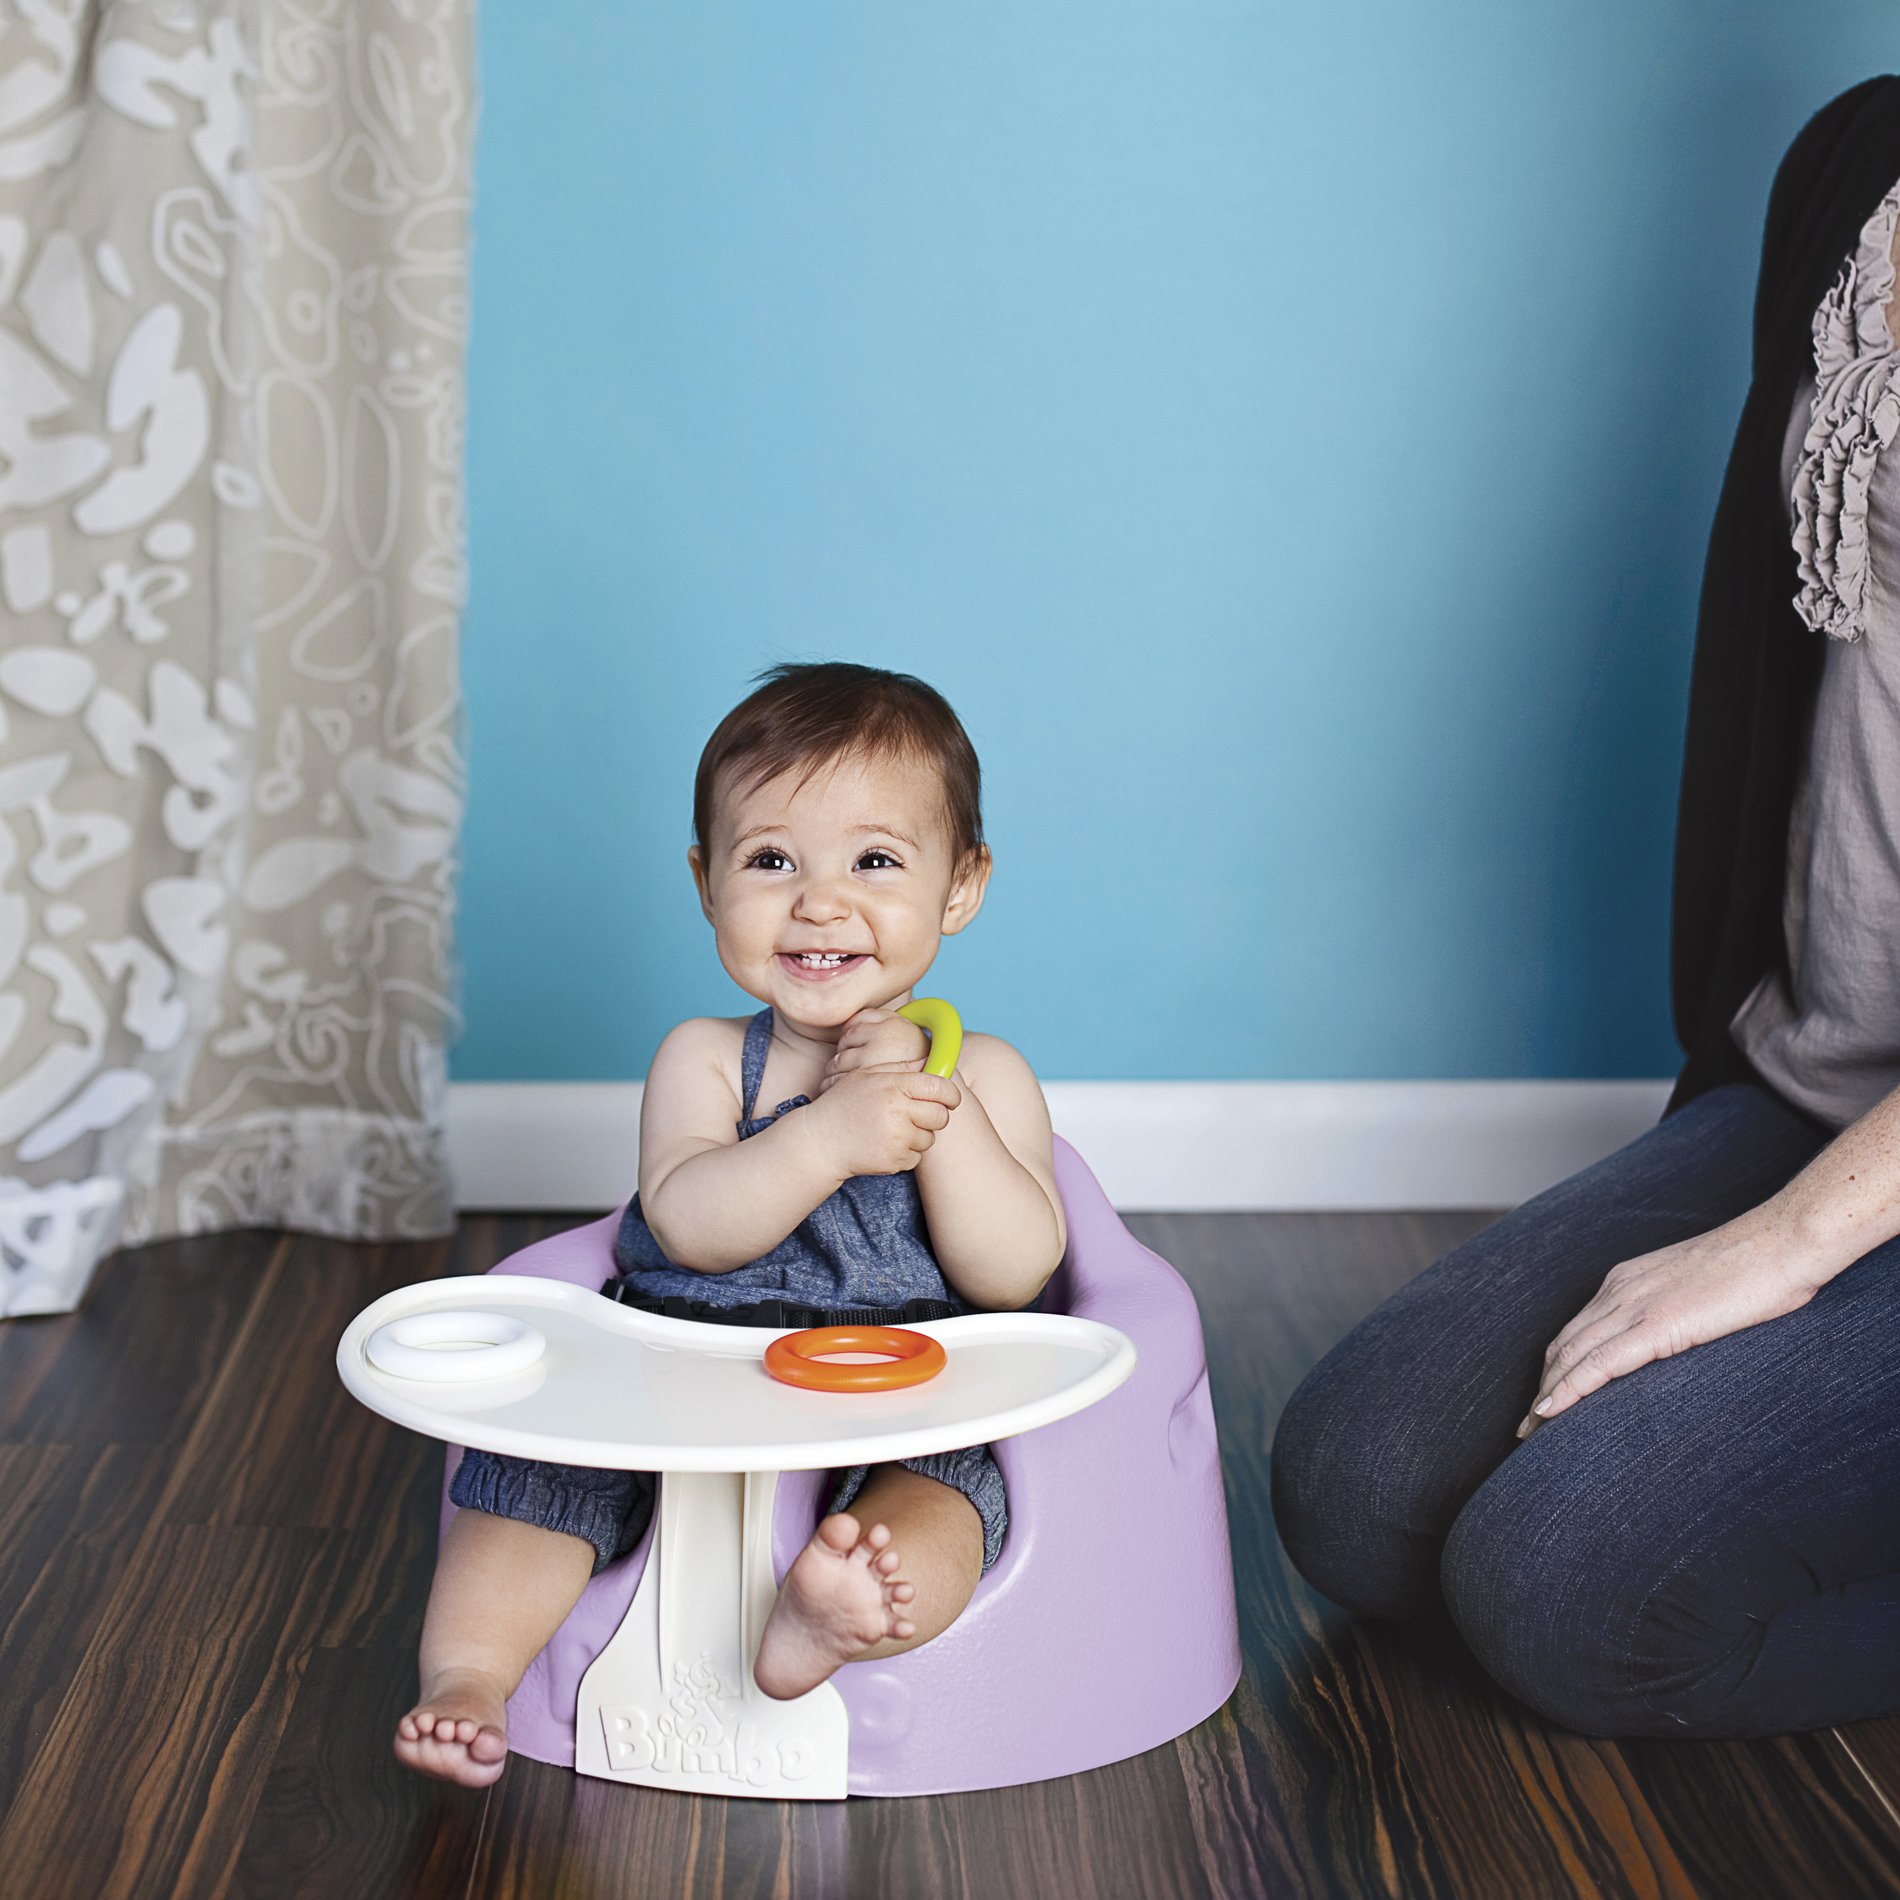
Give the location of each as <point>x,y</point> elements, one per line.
<point>147,1776</point>
<point>29,1350</point>
<point>337,1813</point>
<point>1784,1817</point>
<point>257,1433</point>
<point>70,1520</point>
<point>131,1366</point>
<point>1126,1828</point>
<point>1117,1830</point>
<point>1874,1750</point>
<point>284,1441</point>
<point>551,1831</point>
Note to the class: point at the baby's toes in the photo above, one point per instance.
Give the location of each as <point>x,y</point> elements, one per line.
<point>839,1534</point>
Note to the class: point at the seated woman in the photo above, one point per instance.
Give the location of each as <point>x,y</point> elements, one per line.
<point>1642,1436</point>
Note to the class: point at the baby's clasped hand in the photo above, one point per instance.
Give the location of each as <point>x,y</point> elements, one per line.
<point>881,1121</point>
<point>875,1039</point>
<point>883,1129</point>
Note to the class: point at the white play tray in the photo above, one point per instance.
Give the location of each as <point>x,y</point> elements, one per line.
<point>624,1389</point>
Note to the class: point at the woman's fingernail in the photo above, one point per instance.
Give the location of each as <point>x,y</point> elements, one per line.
<point>1542,1407</point>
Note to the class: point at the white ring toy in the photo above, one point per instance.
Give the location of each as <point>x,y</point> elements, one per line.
<point>419,1347</point>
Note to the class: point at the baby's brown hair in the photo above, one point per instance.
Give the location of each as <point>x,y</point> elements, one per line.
<point>812,713</point>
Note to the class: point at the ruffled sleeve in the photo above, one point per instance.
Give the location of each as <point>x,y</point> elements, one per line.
<point>1855,414</point>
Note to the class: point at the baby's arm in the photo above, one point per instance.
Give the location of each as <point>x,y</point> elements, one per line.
<point>712,1201</point>
<point>988,1182</point>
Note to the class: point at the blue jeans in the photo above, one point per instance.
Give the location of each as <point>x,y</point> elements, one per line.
<point>1709,1546</point>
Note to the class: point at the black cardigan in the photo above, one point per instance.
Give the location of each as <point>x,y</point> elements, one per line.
<point>1756,662</point>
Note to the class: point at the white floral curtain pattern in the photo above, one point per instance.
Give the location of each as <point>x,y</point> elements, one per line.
<point>232,313</point>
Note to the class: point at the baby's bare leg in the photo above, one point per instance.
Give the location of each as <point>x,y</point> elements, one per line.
<point>852,1596</point>
<point>501,1589</point>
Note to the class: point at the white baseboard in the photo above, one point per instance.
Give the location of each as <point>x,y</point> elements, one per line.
<point>1176,1146</point>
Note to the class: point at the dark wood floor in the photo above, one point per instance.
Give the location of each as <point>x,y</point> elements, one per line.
<point>213,1566</point>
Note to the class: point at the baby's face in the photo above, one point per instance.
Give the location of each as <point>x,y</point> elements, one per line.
<point>856,860</point>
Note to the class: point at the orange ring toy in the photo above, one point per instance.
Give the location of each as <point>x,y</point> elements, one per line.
<point>799,1358</point>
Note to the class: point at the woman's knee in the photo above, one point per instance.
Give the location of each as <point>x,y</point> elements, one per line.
<point>1388,1435</point>
<point>1341,1496</point>
<point>1565,1580</point>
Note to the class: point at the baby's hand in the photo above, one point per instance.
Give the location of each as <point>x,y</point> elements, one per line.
<point>882,1121</point>
<point>873,1039</point>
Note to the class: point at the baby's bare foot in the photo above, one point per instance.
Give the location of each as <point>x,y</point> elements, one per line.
<point>840,1598</point>
<point>458,1730</point>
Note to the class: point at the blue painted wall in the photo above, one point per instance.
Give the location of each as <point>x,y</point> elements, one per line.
<point>1287,434</point>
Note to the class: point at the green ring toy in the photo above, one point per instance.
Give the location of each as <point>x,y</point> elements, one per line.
<point>944,1027</point>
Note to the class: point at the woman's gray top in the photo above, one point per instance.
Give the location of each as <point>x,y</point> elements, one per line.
<point>1827,1036</point>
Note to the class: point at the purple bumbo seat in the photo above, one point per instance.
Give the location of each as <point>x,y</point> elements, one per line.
<point>1106,1626</point>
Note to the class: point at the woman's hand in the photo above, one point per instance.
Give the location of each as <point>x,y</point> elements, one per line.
<point>1764,1263</point>
<point>876,1039</point>
<point>1664,1302</point>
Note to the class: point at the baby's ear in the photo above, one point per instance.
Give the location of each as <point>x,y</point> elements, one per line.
<point>966,890</point>
<point>696,863</point>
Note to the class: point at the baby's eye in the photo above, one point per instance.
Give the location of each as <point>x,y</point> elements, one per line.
<point>885,855</point>
<point>768,851</point>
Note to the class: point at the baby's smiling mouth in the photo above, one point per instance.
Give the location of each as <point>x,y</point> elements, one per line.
<point>820,963</point>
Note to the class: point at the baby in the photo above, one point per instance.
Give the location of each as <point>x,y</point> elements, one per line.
<point>838,840</point>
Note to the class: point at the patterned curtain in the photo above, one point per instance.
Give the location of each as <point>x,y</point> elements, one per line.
<point>233,246</point>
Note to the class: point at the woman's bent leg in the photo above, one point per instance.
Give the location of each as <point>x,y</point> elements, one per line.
<point>1709,1546</point>
<point>1391,1433</point>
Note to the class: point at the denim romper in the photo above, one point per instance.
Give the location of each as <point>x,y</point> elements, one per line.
<point>859,1257</point>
